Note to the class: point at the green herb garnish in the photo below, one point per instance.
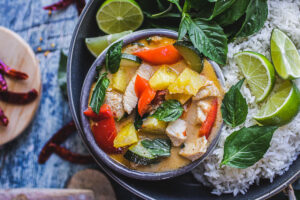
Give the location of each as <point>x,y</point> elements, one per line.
<point>113,57</point>
<point>234,106</point>
<point>243,148</point>
<point>62,74</point>
<point>99,91</point>
<point>168,111</point>
<point>158,147</point>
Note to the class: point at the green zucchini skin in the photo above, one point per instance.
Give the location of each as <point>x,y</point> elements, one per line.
<point>131,59</point>
<point>191,55</point>
<point>139,155</point>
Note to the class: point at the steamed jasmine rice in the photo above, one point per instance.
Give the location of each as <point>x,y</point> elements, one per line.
<point>285,144</point>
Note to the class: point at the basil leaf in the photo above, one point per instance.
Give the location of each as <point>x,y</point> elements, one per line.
<point>231,15</point>
<point>256,15</point>
<point>212,0</point>
<point>168,111</point>
<point>243,148</point>
<point>221,6</point>
<point>208,37</point>
<point>158,147</point>
<point>234,107</point>
<point>183,27</point>
<point>99,91</point>
<point>62,74</point>
<point>138,120</point>
<point>113,57</point>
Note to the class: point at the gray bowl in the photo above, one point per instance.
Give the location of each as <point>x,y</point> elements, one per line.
<point>97,151</point>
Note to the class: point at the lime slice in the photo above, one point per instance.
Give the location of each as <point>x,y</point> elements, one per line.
<point>285,56</point>
<point>115,16</point>
<point>258,71</point>
<point>282,106</point>
<point>97,44</point>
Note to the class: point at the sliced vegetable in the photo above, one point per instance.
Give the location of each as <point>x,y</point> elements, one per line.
<point>182,98</point>
<point>121,78</point>
<point>105,132</point>
<point>129,60</point>
<point>169,111</point>
<point>113,57</point>
<point>162,78</point>
<point>188,82</point>
<point>159,56</point>
<point>138,154</point>
<point>190,54</point>
<point>99,91</point>
<point>158,147</point>
<point>140,85</point>
<point>126,136</point>
<point>104,113</point>
<point>153,126</point>
<point>208,124</point>
<point>145,100</point>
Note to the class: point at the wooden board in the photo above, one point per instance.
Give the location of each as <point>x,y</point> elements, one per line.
<point>16,53</point>
<point>46,194</point>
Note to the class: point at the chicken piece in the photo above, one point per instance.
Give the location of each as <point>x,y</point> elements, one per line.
<point>195,149</point>
<point>130,99</point>
<point>177,132</point>
<point>114,100</point>
<point>209,90</point>
<point>201,116</point>
<point>205,105</point>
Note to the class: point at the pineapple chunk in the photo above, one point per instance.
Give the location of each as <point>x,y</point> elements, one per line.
<point>162,78</point>
<point>182,98</point>
<point>154,126</point>
<point>127,136</point>
<point>188,82</point>
<point>121,79</point>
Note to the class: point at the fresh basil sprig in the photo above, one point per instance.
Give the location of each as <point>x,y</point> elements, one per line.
<point>243,148</point>
<point>138,120</point>
<point>234,106</point>
<point>168,111</point>
<point>158,147</point>
<point>99,91</point>
<point>113,57</point>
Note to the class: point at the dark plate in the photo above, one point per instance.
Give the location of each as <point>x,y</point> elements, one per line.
<point>182,187</point>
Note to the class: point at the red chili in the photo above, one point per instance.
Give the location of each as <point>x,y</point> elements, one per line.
<point>65,3</point>
<point>3,84</point>
<point>3,119</point>
<point>19,98</point>
<point>71,157</point>
<point>58,138</point>
<point>12,72</point>
<point>208,124</point>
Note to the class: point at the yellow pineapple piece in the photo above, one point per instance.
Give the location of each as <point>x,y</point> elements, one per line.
<point>162,78</point>
<point>182,98</point>
<point>188,82</point>
<point>127,136</point>
<point>154,126</point>
<point>121,78</point>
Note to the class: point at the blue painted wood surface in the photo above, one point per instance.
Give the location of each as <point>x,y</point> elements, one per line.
<point>18,159</point>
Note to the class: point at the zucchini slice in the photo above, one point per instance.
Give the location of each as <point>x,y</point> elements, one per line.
<point>139,155</point>
<point>129,60</point>
<point>190,54</point>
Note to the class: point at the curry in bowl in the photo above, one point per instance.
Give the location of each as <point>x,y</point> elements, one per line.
<point>155,105</point>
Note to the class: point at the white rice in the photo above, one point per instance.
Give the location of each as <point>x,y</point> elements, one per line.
<point>285,144</point>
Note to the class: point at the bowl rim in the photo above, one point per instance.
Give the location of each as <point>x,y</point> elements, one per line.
<point>104,157</point>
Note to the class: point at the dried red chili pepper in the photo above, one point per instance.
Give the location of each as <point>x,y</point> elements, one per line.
<point>3,84</point>
<point>3,119</point>
<point>58,138</point>
<point>19,98</point>
<point>71,157</point>
<point>65,3</point>
<point>12,72</point>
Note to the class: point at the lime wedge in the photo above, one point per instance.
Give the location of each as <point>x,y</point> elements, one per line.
<point>115,16</point>
<point>281,107</point>
<point>258,71</point>
<point>97,44</point>
<point>285,56</point>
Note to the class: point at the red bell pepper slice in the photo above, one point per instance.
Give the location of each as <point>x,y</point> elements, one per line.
<point>104,113</point>
<point>140,85</point>
<point>159,56</point>
<point>105,131</point>
<point>208,124</point>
